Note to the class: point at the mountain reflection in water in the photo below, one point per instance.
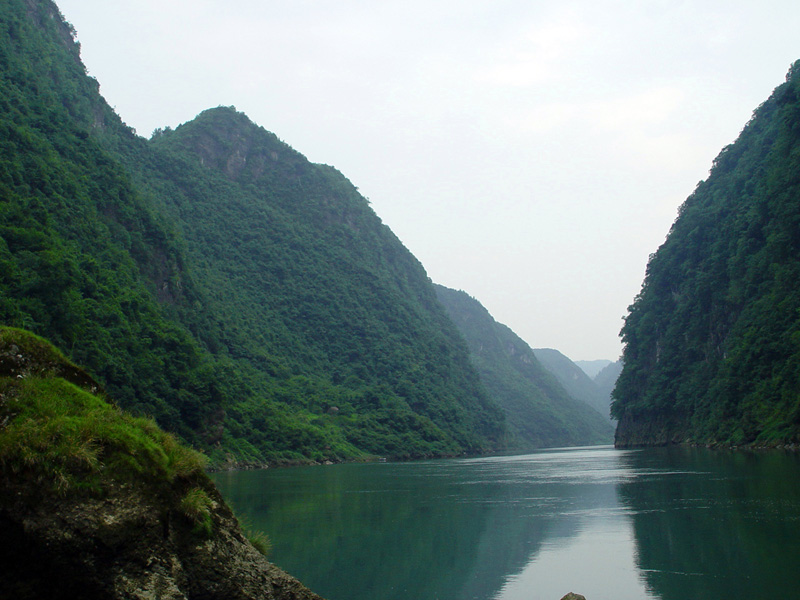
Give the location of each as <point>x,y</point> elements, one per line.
<point>598,521</point>
<point>715,523</point>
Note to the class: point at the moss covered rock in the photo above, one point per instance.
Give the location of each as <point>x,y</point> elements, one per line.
<point>97,503</point>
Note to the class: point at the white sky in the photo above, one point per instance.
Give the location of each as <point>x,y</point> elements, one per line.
<point>531,153</point>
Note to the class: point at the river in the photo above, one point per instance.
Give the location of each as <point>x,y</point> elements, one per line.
<point>677,523</point>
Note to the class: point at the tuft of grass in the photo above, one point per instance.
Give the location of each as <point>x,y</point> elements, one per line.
<point>260,541</point>
<point>258,538</point>
<point>196,505</point>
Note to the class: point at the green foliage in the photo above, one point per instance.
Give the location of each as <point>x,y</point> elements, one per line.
<point>539,412</point>
<point>40,354</point>
<point>215,280</point>
<point>61,435</point>
<point>260,540</point>
<point>712,342</point>
<point>319,294</point>
<point>196,505</point>
<point>83,261</point>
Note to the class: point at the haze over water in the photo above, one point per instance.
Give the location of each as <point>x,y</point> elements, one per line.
<point>649,524</point>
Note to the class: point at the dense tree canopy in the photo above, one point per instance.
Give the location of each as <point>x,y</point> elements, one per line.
<point>712,342</point>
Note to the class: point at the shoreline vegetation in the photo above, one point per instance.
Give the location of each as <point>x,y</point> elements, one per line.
<point>93,493</point>
<point>231,466</point>
<point>71,460</point>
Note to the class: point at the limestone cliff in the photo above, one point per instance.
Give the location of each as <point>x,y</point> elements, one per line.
<point>656,430</point>
<point>125,543</point>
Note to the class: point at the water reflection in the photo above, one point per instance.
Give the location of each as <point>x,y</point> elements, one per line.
<point>459,529</point>
<point>666,524</point>
<point>715,524</point>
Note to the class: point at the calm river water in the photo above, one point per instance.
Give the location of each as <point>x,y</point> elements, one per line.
<point>666,524</point>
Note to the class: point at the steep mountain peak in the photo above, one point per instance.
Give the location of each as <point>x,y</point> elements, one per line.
<point>46,15</point>
<point>593,367</point>
<point>226,140</point>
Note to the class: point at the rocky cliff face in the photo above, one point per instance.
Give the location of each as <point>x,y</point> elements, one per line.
<point>124,543</point>
<point>634,431</point>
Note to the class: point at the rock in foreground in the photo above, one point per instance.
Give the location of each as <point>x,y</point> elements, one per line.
<point>126,545</point>
<point>98,504</point>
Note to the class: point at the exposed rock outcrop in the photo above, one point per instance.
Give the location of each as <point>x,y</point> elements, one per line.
<point>634,431</point>
<point>127,544</point>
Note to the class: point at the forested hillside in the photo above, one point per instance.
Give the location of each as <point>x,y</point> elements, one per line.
<point>213,278</point>
<point>83,258</point>
<point>538,410</point>
<point>712,341</point>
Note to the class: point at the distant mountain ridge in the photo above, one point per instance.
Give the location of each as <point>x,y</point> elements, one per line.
<point>538,410</point>
<point>606,380</point>
<point>575,381</point>
<point>592,367</point>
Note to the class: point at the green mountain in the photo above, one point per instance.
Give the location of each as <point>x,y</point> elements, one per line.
<point>712,341</point>
<point>575,381</point>
<point>215,279</point>
<point>538,410</point>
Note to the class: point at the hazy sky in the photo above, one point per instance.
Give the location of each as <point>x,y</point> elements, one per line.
<point>531,153</point>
